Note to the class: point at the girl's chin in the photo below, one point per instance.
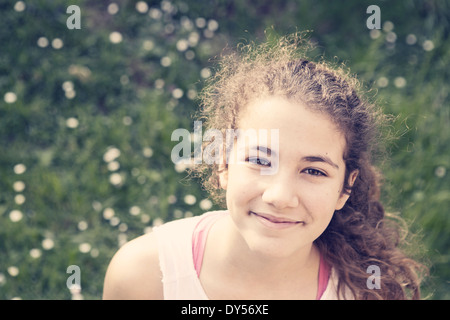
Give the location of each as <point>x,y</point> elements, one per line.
<point>267,241</point>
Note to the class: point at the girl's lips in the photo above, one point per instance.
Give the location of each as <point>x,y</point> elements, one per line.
<point>275,222</point>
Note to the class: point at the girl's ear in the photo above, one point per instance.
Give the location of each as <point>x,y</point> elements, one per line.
<point>352,177</point>
<point>344,195</point>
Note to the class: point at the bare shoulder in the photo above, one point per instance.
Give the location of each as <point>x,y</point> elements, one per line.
<point>134,271</point>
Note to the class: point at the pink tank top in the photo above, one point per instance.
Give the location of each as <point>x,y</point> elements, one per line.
<point>198,248</point>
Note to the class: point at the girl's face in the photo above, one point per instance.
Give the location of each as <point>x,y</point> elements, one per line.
<point>283,211</point>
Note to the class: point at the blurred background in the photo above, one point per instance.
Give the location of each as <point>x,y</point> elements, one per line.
<point>86,118</point>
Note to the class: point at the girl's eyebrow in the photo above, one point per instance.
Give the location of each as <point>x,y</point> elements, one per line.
<point>320,159</point>
<point>315,158</point>
<point>266,150</point>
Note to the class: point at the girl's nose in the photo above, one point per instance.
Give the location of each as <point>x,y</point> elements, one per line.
<point>281,192</point>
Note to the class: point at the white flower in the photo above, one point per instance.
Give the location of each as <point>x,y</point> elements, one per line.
<point>428,45</point>
<point>190,199</point>
<point>374,33</point>
<point>193,38</point>
<point>145,218</point>
<point>114,221</point>
<point>205,73</point>
<point>113,166</point>
<point>48,244</point>
<point>388,26</point>
<point>67,86</point>
<point>111,154</point>
<point>391,37</point>
<point>157,222</point>
<point>411,39</point>
<point>108,213</point>
<point>171,199</point>
<point>141,7</point>
<point>166,61</point>
<point>200,22</point>
<point>15,215</point>
<point>115,179</point>
<point>400,82</point>
<point>82,225</point>
<point>19,199</point>
<point>57,43</point>
<point>205,204</point>
<point>155,13</point>
<point>123,227</point>
<point>19,186</point>
<point>213,25</point>
<point>148,45</point>
<point>440,171</point>
<point>20,168</point>
<point>135,210</point>
<point>35,253</point>
<point>13,271</point>
<point>72,123</point>
<point>19,6</point>
<point>84,247</point>
<point>182,45</point>
<point>147,152</point>
<point>177,93</point>
<point>10,97</point>
<point>383,82</point>
<point>42,42</point>
<point>115,37</point>
<point>113,8</point>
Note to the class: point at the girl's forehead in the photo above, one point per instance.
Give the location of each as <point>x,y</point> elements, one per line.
<point>279,112</point>
<point>299,127</point>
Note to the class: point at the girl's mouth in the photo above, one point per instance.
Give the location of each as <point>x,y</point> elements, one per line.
<point>276,222</point>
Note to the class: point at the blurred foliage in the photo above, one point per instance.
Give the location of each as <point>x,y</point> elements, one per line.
<point>86,118</point>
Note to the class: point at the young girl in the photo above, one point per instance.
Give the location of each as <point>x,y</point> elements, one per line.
<point>303,218</point>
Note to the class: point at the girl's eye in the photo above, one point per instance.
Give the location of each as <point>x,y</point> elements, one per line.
<point>314,172</point>
<point>258,161</point>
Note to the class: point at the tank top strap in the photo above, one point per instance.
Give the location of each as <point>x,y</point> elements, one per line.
<point>200,235</point>
<point>174,241</point>
<point>324,276</point>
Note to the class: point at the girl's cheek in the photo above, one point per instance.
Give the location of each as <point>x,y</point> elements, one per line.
<point>318,198</point>
<point>244,182</point>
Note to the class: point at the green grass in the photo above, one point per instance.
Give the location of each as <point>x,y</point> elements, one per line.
<point>124,100</point>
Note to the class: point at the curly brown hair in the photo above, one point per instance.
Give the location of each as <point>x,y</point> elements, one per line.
<point>361,233</point>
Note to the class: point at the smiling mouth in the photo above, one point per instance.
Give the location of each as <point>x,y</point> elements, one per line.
<point>280,221</point>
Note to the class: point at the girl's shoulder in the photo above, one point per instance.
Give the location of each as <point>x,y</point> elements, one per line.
<point>331,291</point>
<point>134,271</point>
